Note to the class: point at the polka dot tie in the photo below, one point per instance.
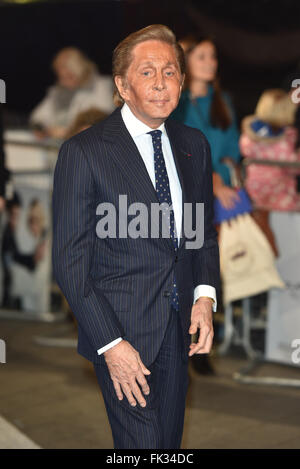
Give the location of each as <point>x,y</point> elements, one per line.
<point>164,196</point>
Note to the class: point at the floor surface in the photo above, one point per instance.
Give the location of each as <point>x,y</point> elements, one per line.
<point>49,398</point>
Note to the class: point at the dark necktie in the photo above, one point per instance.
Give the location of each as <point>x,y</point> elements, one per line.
<point>164,196</point>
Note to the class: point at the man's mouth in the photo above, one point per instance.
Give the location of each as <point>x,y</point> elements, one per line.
<point>159,101</point>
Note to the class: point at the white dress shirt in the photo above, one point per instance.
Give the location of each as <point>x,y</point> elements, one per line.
<point>139,132</point>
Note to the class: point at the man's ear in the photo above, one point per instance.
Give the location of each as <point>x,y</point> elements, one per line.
<point>121,85</point>
<point>182,81</point>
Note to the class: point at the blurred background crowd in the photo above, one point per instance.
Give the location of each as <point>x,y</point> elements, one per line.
<point>242,90</point>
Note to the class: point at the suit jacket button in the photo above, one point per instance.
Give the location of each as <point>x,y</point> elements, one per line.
<point>167,293</point>
<point>176,258</point>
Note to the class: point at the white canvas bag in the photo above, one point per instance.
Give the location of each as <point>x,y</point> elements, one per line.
<point>247,261</point>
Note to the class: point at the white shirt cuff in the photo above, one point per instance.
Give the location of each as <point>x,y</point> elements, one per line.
<point>206,290</point>
<point>108,346</point>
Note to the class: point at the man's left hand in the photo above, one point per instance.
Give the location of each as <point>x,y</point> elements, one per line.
<point>201,318</point>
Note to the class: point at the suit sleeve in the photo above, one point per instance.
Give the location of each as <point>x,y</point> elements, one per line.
<point>74,234</point>
<point>206,263</point>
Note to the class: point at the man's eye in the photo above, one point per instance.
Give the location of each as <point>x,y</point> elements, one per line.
<point>146,74</point>
<point>169,74</point>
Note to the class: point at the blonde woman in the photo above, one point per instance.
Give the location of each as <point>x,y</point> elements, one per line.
<point>79,86</point>
<point>269,135</point>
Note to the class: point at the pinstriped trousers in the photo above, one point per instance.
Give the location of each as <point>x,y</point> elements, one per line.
<point>159,424</point>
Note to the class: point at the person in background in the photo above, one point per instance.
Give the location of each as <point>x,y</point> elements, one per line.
<point>36,222</point>
<point>10,252</point>
<point>79,86</point>
<point>32,285</point>
<point>269,134</point>
<point>204,106</point>
<point>4,174</point>
<point>84,120</point>
<point>291,84</point>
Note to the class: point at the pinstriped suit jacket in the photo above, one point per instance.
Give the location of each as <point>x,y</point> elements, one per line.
<point>121,286</point>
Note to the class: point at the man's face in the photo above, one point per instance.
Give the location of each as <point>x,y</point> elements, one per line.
<point>153,83</point>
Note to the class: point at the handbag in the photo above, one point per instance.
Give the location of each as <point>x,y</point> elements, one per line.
<point>247,261</point>
<point>242,206</point>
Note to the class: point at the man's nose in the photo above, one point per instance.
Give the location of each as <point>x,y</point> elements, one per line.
<point>159,83</point>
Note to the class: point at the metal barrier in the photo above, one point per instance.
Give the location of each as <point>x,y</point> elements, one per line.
<point>31,165</point>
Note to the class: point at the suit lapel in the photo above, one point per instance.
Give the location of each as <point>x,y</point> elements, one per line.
<point>183,166</point>
<point>127,157</point>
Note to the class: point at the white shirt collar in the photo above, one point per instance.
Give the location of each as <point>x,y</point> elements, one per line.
<point>134,126</point>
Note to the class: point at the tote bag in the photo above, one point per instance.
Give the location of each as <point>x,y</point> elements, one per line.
<point>247,261</point>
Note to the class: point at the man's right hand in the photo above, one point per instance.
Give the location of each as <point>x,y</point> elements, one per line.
<point>127,372</point>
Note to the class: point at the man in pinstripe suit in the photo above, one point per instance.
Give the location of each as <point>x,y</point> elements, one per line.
<point>138,299</point>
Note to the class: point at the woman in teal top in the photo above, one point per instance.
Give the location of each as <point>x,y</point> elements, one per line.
<point>202,105</point>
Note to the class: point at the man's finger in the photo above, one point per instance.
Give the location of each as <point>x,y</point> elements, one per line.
<point>208,344</point>
<point>137,393</point>
<point>144,369</point>
<point>127,391</point>
<point>204,333</point>
<point>194,349</point>
<point>118,389</point>
<point>203,347</point>
<point>193,328</point>
<point>143,383</point>
<point>197,350</point>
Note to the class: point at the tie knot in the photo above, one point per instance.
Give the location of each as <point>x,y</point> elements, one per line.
<point>156,135</point>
